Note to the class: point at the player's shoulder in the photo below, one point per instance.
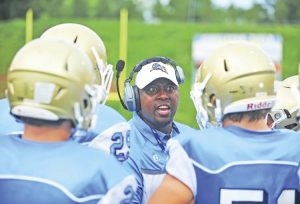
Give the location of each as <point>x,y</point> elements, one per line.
<point>4,138</point>
<point>5,109</point>
<point>111,131</point>
<point>286,132</point>
<point>106,117</point>
<point>185,132</point>
<point>106,111</point>
<point>192,135</point>
<point>4,102</point>
<point>9,137</point>
<point>184,128</point>
<point>289,138</point>
<point>95,158</point>
<point>286,136</point>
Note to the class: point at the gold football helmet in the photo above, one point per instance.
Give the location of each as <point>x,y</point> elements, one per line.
<point>285,112</point>
<point>52,80</point>
<point>91,43</point>
<point>236,77</point>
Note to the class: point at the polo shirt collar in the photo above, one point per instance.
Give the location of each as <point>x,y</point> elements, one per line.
<point>147,131</point>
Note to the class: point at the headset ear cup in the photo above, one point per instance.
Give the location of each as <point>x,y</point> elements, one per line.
<point>129,97</point>
<point>137,98</point>
<point>179,74</point>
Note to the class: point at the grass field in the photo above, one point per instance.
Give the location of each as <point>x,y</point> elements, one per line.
<point>169,39</point>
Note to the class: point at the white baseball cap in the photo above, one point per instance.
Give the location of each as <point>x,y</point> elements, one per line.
<point>155,70</point>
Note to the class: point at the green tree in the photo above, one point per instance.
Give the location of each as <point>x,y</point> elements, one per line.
<point>103,9</point>
<point>281,11</point>
<point>48,8</point>
<point>163,12</point>
<point>111,9</point>
<point>179,10</point>
<point>204,11</point>
<point>233,15</point>
<point>80,8</point>
<point>256,14</point>
<point>13,8</point>
<point>133,12</point>
<point>287,11</point>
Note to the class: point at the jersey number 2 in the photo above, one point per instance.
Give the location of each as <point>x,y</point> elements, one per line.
<point>121,145</point>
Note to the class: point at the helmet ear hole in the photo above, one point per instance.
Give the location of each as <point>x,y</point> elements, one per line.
<point>85,103</point>
<point>212,100</point>
<point>270,120</point>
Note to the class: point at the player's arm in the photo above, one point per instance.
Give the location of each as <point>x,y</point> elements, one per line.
<point>179,184</point>
<point>172,191</point>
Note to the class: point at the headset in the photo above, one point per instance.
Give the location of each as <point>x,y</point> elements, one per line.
<point>131,93</point>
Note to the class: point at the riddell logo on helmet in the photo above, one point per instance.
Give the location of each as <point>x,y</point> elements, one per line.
<point>260,105</point>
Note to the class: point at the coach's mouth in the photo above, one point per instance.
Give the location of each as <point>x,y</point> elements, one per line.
<point>163,110</point>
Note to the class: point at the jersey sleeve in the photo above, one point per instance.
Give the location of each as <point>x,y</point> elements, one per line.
<point>114,141</point>
<point>180,166</point>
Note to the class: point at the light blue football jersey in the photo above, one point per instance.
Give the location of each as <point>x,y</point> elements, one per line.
<point>238,166</point>
<point>60,172</point>
<point>141,149</point>
<point>106,117</point>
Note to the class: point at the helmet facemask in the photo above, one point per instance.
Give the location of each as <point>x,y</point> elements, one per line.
<point>285,113</point>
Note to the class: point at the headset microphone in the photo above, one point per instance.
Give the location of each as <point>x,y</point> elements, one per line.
<point>119,67</point>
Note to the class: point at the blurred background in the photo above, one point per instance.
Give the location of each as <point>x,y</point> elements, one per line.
<point>168,28</point>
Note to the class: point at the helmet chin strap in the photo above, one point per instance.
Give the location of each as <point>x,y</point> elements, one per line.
<point>218,112</point>
<point>106,75</point>
<point>78,116</point>
<point>107,79</point>
<point>195,94</point>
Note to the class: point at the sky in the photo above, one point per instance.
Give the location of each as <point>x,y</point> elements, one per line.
<point>238,3</point>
